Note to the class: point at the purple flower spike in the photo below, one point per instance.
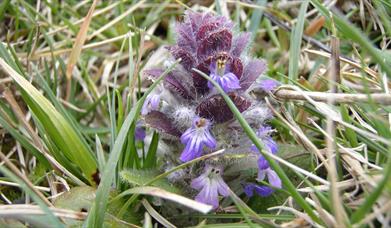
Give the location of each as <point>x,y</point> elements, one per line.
<point>139,132</point>
<point>152,102</point>
<point>268,85</point>
<point>220,72</point>
<point>272,177</point>
<point>195,138</point>
<point>211,185</point>
<point>263,191</point>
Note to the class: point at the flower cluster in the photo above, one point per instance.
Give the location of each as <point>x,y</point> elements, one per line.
<point>189,112</point>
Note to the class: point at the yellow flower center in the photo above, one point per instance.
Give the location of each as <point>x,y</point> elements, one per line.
<point>220,65</point>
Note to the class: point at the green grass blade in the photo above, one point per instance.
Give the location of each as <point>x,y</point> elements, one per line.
<point>256,19</point>
<point>150,160</point>
<point>295,44</point>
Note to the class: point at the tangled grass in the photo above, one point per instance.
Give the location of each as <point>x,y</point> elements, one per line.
<point>72,90</point>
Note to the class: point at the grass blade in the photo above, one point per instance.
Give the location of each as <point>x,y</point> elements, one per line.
<point>295,45</point>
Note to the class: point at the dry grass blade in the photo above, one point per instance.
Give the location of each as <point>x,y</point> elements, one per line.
<point>334,77</point>
<point>40,188</point>
<point>153,191</point>
<point>77,47</point>
<point>16,211</point>
<point>287,94</point>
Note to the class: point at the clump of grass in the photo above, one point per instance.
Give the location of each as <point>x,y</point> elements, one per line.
<point>72,92</point>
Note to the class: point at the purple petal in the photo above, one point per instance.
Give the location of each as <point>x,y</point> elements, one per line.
<point>263,131</point>
<point>154,101</point>
<point>193,149</point>
<point>249,189</point>
<point>212,24</point>
<point>263,190</point>
<point>193,20</point>
<point>271,145</point>
<point>222,187</point>
<point>146,106</point>
<point>215,108</point>
<point>151,103</point>
<point>260,190</point>
<point>209,196</point>
<point>228,82</point>
<point>231,81</point>
<point>209,140</point>
<point>139,133</point>
<point>262,163</point>
<point>261,174</point>
<point>273,179</point>
<point>161,122</point>
<point>187,135</point>
<point>189,153</point>
<point>268,85</point>
<point>199,182</point>
<point>251,72</point>
<point>206,29</point>
<point>239,43</point>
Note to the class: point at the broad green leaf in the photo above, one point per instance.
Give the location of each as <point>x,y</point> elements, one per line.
<point>143,177</point>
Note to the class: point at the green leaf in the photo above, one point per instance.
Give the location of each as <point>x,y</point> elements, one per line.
<point>143,177</point>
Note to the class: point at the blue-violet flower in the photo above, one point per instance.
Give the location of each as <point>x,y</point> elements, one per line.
<point>260,190</point>
<point>152,101</point>
<point>211,185</point>
<point>272,177</point>
<point>195,138</point>
<point>220,72</point>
